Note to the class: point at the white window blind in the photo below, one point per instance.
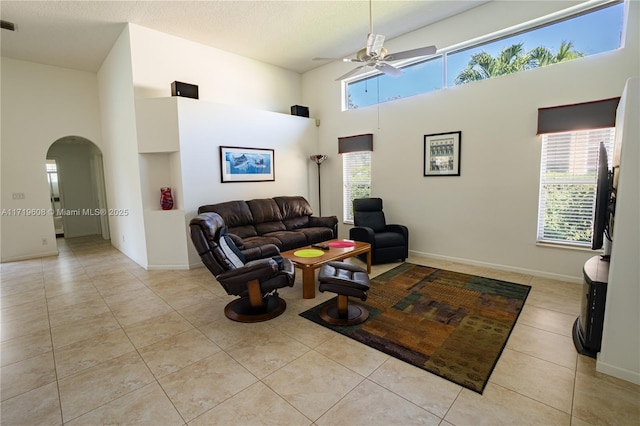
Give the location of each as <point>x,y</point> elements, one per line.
<point>356,176</point>
<point>568,185</point>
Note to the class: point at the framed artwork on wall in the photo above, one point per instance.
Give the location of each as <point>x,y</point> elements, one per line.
<point>246,164</point>
<point>442,154</point>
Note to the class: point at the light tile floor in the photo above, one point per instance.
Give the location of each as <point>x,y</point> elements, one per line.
<point>89,337</point>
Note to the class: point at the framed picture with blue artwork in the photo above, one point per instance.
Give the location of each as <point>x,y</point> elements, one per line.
<point>239,164</point>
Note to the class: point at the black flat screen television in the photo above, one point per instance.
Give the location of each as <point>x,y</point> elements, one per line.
<point>604,186</point>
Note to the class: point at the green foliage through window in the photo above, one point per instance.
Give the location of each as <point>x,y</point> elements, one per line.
<point>356,178</point>
<point>583,34</point>
<point>565,218</point>
<point>568,173</point>
<point>514,59</point>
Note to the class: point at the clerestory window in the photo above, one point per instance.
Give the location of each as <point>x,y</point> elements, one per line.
<point>561,37</point>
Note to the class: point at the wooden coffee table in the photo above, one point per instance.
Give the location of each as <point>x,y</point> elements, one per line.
<point>310,264</point>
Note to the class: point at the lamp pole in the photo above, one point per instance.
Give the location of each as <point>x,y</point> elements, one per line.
<point>318,159</point>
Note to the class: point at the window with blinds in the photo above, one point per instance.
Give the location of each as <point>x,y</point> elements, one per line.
<point>356,178</point>
<point>568,185</point>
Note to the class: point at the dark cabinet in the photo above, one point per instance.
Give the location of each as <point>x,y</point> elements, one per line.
<point>587,329</point>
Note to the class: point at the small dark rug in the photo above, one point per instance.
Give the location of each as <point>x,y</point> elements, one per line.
<point>452,324</point>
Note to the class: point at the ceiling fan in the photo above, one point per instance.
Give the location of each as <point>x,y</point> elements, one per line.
<point>374,55</point>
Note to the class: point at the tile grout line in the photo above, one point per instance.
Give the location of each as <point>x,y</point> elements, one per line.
<point>53,353</point>
<point>102,362</point>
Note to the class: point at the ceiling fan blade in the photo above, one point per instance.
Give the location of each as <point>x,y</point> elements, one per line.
<point>388,69</point>
<point>338,59</point>
<point>413,53</point>
<point>350,73</point>
<point>374,44</point>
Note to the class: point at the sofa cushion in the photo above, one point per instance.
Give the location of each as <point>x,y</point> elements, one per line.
<point>258,241</point>
<point>243,232</point>
<point>296,222</point>
<point>268,227</point>
<point>264,210</point>
<point>293,206</point>
<point>316,235</point>
<point>234,213</point>
<point>289,239</point>
<point>323,222</point>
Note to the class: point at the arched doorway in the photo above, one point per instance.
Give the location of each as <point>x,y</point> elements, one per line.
<point>76,184</point>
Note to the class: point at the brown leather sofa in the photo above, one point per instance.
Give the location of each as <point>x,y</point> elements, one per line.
<point>287,222</point>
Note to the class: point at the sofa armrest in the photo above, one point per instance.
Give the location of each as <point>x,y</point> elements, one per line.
<point>325,221</point>
<point>261,252</point>
<point>361,233</point>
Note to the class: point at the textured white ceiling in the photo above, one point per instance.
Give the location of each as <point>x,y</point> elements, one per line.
<point>79,34</point>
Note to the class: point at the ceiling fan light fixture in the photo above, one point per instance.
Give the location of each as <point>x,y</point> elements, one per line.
<point>376,56</point>
<point>374,44</point>
<point>364,56</point>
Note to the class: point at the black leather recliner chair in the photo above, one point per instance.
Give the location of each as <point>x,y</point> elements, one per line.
<point>254,274</point>
<point>389,242</point>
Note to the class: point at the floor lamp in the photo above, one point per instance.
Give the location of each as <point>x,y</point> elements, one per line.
<point>319,158</point>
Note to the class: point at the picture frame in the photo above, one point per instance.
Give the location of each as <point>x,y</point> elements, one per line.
<point>239,164</point>
<point>442,154</point>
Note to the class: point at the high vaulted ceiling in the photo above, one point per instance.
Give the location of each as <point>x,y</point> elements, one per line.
<point>79,34</point>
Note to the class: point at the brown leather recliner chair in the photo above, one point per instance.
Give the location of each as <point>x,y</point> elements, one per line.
<point>254,274</point>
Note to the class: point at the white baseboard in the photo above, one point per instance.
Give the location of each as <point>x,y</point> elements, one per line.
<point>167,267</point>
<point>175,267</point>
<point>621,373</point>
<point>543,274</point>
<point>31,256</point>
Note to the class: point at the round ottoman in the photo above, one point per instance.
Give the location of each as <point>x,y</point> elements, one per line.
<point>345,280</point>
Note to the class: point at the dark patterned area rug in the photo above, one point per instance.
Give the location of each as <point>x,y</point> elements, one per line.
<point>452,324</point>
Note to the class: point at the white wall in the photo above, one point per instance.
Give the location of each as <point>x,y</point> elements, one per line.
<point>40,104</point>
<point>205,126</point>
<point>249,95</point>
<point>222,77</point>
<point>488,215</point>
<point>620,354</point>
<point>187,135</point>
<point>122,174</point>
